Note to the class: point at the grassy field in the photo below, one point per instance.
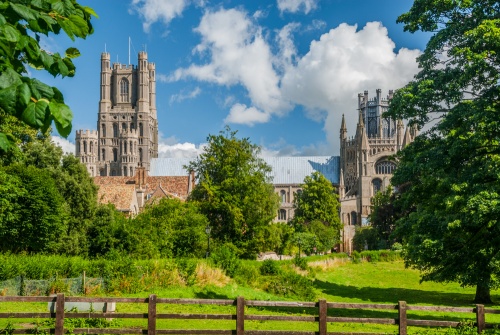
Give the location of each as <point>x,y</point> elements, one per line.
<point>335,281</point>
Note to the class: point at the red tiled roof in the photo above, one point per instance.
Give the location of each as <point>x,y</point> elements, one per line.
<point>122,196</point>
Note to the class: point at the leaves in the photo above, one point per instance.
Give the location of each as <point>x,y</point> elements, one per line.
<point>449,178</point>
<point>36,113</point>
<point>21,23</point>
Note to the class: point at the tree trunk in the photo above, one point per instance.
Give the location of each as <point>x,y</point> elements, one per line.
<point>483,293</point>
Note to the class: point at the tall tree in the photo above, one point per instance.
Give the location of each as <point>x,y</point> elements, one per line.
<point>233,189</point>
<point>317,200</point>
<point>26,98</point>
<point>453,169</point>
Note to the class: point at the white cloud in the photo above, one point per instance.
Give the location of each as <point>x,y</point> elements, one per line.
<point>67,146</point>
<point>241,114</point>
<point>341,64</point>
<point>170,147</point>
<point>158,10</point>
<point>185,95</point>
<point>239,55</point>
<point>297,5</point>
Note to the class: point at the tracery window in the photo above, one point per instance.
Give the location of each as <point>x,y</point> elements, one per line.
<point>377,185</point>
<point>124,90</point>
<point>385,167</point>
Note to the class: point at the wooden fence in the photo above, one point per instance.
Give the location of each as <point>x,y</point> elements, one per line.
<point>240,316</point>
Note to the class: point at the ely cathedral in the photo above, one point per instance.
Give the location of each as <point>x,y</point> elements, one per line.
<point>122,154</point>
<point>127,124</point>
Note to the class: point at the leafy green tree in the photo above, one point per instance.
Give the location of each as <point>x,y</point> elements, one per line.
<point>275,237</point>
<point>385,211</point>
<point>233,190</point>
<point>318,201</point>
<point>452,231</point>
<point>173,228</point>
<point>36,216</point>
<point>22,22</point>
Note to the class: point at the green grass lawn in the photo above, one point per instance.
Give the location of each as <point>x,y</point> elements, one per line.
<point>383,282</point>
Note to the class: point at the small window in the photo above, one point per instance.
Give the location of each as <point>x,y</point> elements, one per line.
<point>282,215</point>
<point>115,155</point>
<point>353,218</point>
<point>283,196</point>
<point>377,185</point>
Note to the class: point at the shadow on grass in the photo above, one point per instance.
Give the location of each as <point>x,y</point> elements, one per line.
<point>393,295</point>
<point>209,294</point>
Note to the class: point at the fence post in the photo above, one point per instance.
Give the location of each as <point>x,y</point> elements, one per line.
<point>323,309</point>
<point>152,314</point>
<point>59,314</point>
<point>402,318</point>
<point>84,291</point>
<point>240,316</point>
<point>480,318</point>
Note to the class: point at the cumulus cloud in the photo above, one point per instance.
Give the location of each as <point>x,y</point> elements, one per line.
<point>239,55</point>
<point>170,147</point>
<point>241,114</point>
<point>297,5</point>
<point>67,146</point>
<point>153,11</point>
<point>183,95</point>
<point>342,63</point>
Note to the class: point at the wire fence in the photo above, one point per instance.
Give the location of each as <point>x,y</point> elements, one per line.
<point>28,287</point>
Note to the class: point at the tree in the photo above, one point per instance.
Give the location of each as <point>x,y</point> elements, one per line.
<point>233,189</point>
<point>35,217</point>
<point>452,231</point>
<point>318,201</point>
<point>173,228</point>
<point>383,217</point>
<point>28,99</point>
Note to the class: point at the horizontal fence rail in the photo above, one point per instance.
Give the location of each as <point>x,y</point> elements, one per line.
<point>321,318</point>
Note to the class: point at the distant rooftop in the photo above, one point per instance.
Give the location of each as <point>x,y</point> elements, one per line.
<point>285,170</point>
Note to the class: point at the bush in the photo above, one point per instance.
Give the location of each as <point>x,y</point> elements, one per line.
<point>397,247</point>
<point>300,262</point>
<point>269,268</point>
<point>292,285</point>
<point>247,273</point>
<point>226,257</point>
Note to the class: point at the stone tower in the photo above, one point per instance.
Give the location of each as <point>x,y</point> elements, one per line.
<point>127,121</point>
<point>86,149</point>
<point>365,164</point>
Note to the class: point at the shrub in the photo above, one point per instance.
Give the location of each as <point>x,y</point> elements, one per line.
<point>226,257</point>
<point>300,262</point>
<point>397,247</point>
<point>269,268</point>
<point>247,273</point>
<point>290,285</point>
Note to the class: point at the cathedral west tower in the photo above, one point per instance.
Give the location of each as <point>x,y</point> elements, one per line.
<point>127,122</point>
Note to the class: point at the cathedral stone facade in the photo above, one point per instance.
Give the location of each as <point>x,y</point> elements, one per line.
<point>366,163</point>
<point>127,135</point>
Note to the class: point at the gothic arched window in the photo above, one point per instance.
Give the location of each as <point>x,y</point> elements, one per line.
<point>384,167</point>
<point>103,130</point>
<point>283,196</point>
<point>124,90</point>
<point>115,155</point>
<point>103,156</point>
<point>353,218</point>
<point>115,130</point>
<point>377,185</point>
<point>141,129</point>
<point>140,155</point>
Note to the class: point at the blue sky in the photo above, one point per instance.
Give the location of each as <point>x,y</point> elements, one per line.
<point>281,72</point>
